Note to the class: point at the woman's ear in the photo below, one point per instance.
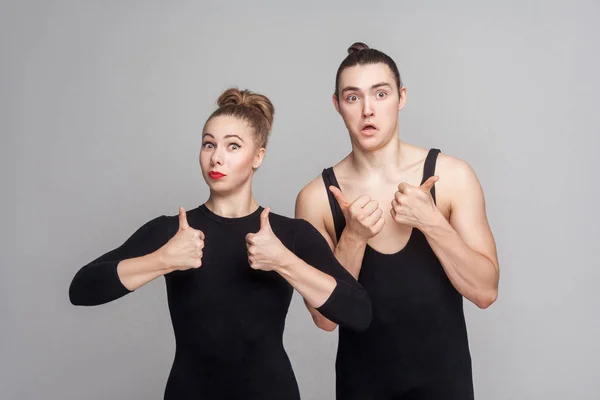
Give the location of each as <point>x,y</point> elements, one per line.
<point>258,158</point>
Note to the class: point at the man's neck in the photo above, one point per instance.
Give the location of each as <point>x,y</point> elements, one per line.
<point>384,161</point>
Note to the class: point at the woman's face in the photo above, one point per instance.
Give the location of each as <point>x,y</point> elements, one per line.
<point>229,153</point>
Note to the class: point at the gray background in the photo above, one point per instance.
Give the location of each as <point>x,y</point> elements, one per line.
<point>101,109</point>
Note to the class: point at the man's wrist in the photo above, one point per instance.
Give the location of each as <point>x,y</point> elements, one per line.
<point>353,239</point>
<point>435,224</point>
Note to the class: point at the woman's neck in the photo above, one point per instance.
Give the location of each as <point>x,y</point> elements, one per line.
<point>232,205</point>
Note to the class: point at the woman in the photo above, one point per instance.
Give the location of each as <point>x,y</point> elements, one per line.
<point>417,249</point>
<point>230,269</point>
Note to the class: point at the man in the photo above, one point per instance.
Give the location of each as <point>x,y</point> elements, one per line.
<point>410,225</point>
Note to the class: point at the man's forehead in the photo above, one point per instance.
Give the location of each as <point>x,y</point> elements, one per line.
<point>364,76</point>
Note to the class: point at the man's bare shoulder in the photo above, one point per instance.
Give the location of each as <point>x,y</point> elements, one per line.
<point>446,164</point>
<point>458,183</point>
<point>453,169</point>
<point>312,190</point>
<point>312,201</point>
<point>312,204</point>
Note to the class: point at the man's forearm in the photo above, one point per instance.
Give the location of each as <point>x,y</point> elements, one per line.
<point>350,251</point>
<point>472,274</point>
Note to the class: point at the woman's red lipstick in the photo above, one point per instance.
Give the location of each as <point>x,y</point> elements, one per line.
<point>216,175</point>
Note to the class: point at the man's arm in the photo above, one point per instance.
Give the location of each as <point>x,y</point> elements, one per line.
<point>465,245</point>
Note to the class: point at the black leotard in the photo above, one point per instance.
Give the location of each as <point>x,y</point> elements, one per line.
<point>228,319</point>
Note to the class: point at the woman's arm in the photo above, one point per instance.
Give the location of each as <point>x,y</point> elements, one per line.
<point>312,269</point>
<point>349,304</point>
<point>148,254</point>
<point>100,281</point>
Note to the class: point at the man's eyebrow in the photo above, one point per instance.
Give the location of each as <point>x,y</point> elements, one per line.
<point>356,89</point>
<point>380,84</point>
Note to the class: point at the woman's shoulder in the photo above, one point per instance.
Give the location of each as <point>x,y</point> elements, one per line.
<point>169,222</point>
<point>291,226</point>
<point>286,225</point>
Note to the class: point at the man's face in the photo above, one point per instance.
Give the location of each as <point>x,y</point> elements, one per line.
<point>369,101</point>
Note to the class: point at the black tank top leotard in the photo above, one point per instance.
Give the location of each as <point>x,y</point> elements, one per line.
<point>416,346</point>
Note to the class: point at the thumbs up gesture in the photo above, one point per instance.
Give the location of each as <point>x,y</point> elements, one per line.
<point>414,206</point>
<point>363,216</point>
<point>184,250</point>
<point>265,250</point>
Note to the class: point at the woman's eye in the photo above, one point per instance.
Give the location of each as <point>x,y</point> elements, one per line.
<point>234,146</point>
<point>208,145</point>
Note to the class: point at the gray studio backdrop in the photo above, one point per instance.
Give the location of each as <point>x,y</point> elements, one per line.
<point>102,105</point>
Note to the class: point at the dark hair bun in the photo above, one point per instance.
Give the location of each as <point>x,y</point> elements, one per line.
<point>358,46</point>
